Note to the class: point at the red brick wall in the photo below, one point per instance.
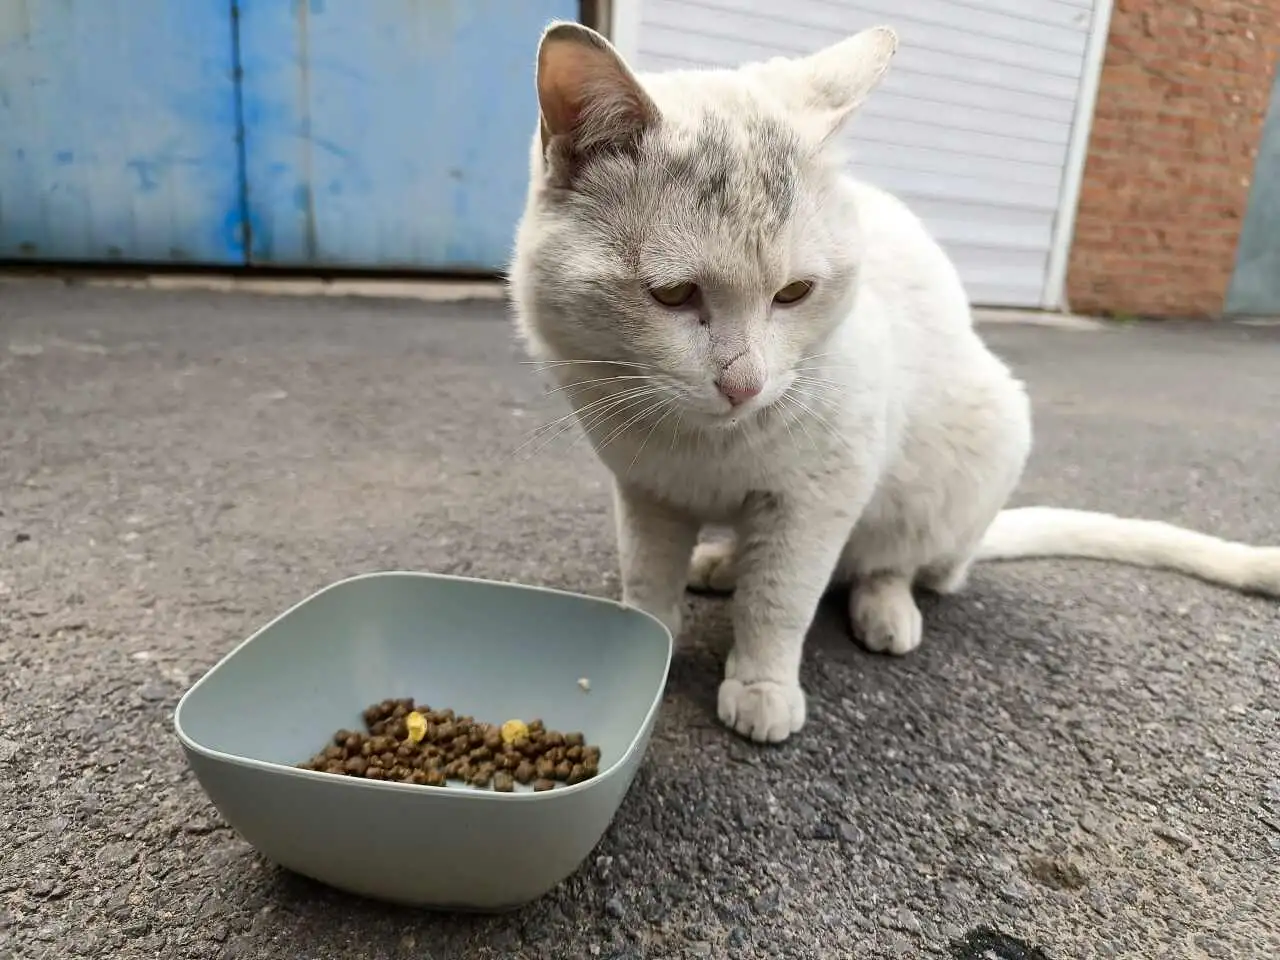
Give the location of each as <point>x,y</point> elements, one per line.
<point>1183,93</point>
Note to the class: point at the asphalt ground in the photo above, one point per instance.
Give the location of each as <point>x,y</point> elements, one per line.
<point>1082,759</point>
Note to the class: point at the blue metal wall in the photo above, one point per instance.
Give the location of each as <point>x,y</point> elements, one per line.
<point>389,132</point>
<point>118,131</point>
<point>360,133</point>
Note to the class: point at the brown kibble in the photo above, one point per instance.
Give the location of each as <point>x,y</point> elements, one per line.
<point>417,745</point>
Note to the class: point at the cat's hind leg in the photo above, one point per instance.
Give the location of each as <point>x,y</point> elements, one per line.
<point>884,615</point>
<point>713,568</point>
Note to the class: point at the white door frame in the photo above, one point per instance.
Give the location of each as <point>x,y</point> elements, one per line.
<point>624,29</point>
<point>1054,295</point>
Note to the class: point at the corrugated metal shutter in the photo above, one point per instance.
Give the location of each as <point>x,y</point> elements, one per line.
<point>971,126</point>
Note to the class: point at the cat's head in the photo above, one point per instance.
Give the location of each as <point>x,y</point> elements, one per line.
<point>691,224</point>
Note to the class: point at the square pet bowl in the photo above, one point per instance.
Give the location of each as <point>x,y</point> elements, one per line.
<point>495,651</point>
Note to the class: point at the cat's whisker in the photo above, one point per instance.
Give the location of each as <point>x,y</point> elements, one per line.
<point>652,430</point>
<point>623,410</point>
<point>647,411</point>
<point>589,423</point>
<point>596,382</point>
<point>800,419</point>
<point>547,364</point>
<point>580,410</point>
<point>816,356</point>
<point>607,402</point>
<point>675,431</point>
<point>833,404</point>
<point>835,434</point>
<point>821,382</point>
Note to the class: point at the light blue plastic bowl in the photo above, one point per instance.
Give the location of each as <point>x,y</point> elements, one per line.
<point>496,651</point>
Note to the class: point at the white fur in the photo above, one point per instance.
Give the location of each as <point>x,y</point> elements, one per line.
<point>1058,532</point>
<point>887,437</point>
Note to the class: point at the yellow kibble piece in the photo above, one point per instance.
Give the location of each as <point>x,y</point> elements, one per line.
<point>417,726</point>
<point>514,731</point>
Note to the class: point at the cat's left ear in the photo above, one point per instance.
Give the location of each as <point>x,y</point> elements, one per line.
<point>832,83</point>
<point>587,93</point>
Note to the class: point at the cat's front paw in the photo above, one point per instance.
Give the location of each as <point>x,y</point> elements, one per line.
<point>765,711</point>
<point>712,568</point>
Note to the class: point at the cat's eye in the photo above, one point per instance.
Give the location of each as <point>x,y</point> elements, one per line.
<point>676,295</point>
<point>793,292</point>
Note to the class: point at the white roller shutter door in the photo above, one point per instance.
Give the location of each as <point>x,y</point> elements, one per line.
<point>971,127</point>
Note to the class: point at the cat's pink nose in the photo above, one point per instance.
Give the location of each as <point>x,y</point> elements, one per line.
<point>738,392</point>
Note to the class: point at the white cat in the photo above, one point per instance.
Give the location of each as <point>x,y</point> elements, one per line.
<point>751,338</point>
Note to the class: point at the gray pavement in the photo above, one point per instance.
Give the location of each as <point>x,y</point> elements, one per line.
<point>1081,757</point>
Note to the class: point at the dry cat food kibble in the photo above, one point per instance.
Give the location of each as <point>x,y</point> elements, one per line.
<point>415,744</point>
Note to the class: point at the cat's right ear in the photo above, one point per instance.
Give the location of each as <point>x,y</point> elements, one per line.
<point>588,96</point>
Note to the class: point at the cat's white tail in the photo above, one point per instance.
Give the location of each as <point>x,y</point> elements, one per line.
<point>1055,532</point>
